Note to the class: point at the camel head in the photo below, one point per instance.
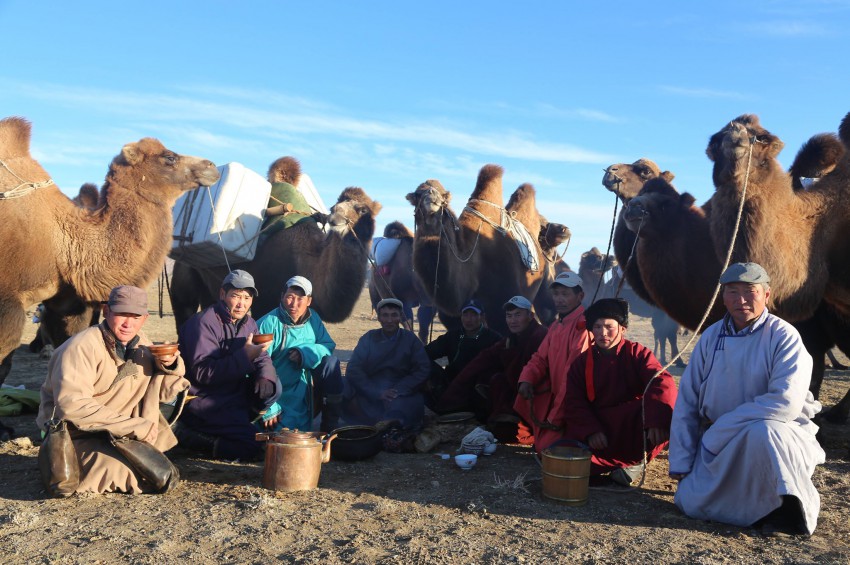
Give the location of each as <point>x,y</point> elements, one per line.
<point>655,210</point>
<point>397,230</point>
<point>428,200</point>
<point>816,158</point>
<point>285,169</point>
<point>354,212</point>
<point>594,262</point>
<point>730,150</point>
<point>552,235</point>
<point>158,173</point>
<point>625,180</point>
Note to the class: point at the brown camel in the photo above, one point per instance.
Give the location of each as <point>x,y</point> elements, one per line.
<point>396,279</point>
<point>53,248</point>
<point>552,235</point>
<point>592,268</point>
<point>471,256</point>
<point>335,262</point>
<point>798,236</point>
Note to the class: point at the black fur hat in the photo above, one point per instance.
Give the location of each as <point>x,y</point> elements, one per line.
<point>608,308</point>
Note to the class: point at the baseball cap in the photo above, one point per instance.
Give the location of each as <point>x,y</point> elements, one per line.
<point>751,273</point>
<point>126,299</point>
<point>472,305</point>
<point>240,279</point>
<point>389,301</point>
<point>568,279</point>
<point>302,283</point>
<point>518,302</point>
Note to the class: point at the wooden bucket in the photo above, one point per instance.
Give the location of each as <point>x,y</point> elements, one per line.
<point>566,474</point>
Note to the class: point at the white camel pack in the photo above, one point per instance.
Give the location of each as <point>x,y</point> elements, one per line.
<point>222,220</point>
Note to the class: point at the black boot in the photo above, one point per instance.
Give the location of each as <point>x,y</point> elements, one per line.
<point>194,440</point>
<point>331,412</point>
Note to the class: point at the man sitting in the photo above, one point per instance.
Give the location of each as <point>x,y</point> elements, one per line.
<point>612,400</point>
<point>386,373</point>
<point>459,347</point>
<point>104,379</point>
<point>743,444</point>
<point>488,383</point>
<point>543,384</point>
<point>233,379</point>
<point>302,353</point>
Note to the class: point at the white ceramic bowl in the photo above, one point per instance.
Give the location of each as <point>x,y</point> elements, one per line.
<point>466,461</point>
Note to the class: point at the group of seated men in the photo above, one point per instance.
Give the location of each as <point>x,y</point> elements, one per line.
<point>741,437</point>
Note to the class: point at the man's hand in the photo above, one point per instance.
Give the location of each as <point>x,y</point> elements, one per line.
<point>295,357</point>
<point>263,388</point>
<point>265,345</point>
<point>657,436</point>
<point>389,395</point>
<point>525,390</point>
<point>251,350</point>
<point>271,422</point>
<point>597,441</point>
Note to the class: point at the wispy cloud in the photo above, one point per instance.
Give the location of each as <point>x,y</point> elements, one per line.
<point>788,28</point>
<point>267,114</point>
<point>701,92</point>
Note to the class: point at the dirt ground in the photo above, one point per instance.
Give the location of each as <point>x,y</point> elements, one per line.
<point>395,508</point>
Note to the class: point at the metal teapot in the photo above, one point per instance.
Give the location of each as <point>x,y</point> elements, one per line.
<point>294,459</point>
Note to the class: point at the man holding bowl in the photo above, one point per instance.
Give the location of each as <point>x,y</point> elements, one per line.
<point>231,375</point>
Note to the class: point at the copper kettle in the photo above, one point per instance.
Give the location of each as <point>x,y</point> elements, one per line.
<point>294,459</point>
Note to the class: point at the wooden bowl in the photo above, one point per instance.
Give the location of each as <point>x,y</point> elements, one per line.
<point>163,349</point>
<point>260,339</point>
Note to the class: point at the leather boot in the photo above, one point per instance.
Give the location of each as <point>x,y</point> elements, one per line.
<point>194,440</point>
<point>331,412</point>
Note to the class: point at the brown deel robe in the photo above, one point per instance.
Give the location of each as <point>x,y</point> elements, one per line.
<point>81,387</point>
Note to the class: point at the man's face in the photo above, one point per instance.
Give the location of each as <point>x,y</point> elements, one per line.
<point>390,319</point>
<point>124,325</point>
<point>566,299</point>
<point>237,301</point>
<point>295,303</point>
<point>518,320</point>
<point>470,320</point>
<point>607,333</point>
<point>745,302</point>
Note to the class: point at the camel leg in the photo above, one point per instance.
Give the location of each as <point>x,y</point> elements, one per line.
<point>425,317</point>
<point>838,413</point>
<point>64,317</point>
<point>187,284</point>
<point>13,316</point>
<point>834,362</point>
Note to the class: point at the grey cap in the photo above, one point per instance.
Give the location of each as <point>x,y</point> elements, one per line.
<point>302,283</point>
<point>389,302</point>
<point>568,279</point>
<point>240,279</point>
<point>751,273</point>
<point>126,299</point>
<point>518,302</point>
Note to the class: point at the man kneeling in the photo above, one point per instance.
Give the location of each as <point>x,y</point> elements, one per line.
<point>104,382</point>
<point>613,403</point>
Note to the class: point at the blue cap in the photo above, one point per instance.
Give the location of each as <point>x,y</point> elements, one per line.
<point>472,305</point>
<point>240,279</point>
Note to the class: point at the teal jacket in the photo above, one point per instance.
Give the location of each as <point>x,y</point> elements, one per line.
<point>313,341</point>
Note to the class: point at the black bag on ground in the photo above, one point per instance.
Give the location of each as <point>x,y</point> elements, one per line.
<point>149,462</point>
<point>57,460</point>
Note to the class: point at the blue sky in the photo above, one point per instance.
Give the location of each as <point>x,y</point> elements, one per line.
<point>384,95</point>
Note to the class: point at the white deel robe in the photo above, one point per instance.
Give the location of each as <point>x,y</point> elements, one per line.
<point>742,431</point>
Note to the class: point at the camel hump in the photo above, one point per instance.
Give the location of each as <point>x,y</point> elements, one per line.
<point>817,157</point>
<point>397,230</point>
<point>844,130</point>
<point>15,137</point>
<point>88,197</point>
<point>523,200</point>
<point>286,169</point>
<point>489,185</point>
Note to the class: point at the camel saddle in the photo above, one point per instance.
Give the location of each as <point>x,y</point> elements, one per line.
<point>284,193</point>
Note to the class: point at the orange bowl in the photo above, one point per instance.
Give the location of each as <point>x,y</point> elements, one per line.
<point>163,349</point>
<point>260,339</point>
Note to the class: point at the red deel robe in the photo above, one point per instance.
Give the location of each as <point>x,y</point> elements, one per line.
<point>618,382</point>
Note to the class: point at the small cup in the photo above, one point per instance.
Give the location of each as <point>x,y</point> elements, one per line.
<point>163,349</point>
<point>260,339</point>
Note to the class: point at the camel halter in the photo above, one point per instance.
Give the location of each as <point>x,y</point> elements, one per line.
<point>688,345</point>
<point>24,188</point>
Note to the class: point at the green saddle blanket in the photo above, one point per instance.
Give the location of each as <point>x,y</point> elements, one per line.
<point>14,401</point>
<point>285,193</point>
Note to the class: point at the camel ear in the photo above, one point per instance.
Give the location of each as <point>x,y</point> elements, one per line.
<point>412,198</point>
<point>376,208</point>
<point>776,146</point>
<point>687,200</point>
<point>667,175</point>
<point>132,154</point>
<point>713,144</point>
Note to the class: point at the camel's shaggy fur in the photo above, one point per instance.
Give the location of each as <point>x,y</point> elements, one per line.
<point>592,268</point>
<point>552,236</point>
<point>334,262</point>
<point>816,158</point>
<point>55,249</point>
<point>465,256</point>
